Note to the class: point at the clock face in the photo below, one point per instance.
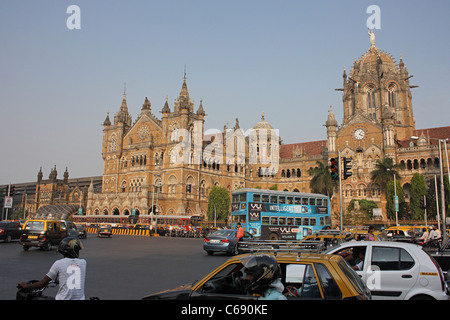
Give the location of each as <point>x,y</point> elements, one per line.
<point>359,134</point>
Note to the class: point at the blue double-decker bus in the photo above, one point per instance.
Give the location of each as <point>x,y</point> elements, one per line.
<point>279,215</point>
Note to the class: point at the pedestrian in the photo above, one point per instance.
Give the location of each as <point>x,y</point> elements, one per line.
<point>370,236</point>
<point>384,234</point>
<point>240,232</point>
<point>70,272</point>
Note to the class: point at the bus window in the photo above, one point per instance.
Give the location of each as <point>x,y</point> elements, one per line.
<point>290,200</point>
<point>306,221</point>
<point>290,221</point>
<point>305,201</point>
<point>265,198</point>
<point>312,221</point>
<point>298,221</point>
<point>256,197</point>
<point>297,200</point>
<point>239,218</point>
<point>312,201</point>
<point>265,220</point>
<point>318,202</point>
<point>240,197</point>
<point>274,199</point>
<point>282,220</point>
<point>281,199</point>
<point>273,220</point>
<point>325,202</point>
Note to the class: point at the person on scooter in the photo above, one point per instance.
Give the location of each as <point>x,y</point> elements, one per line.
<point>70,272</point>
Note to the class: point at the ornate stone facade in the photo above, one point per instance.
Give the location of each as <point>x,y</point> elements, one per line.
<point>139,171</point>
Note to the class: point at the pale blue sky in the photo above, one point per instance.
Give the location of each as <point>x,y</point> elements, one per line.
<point>242,57</point>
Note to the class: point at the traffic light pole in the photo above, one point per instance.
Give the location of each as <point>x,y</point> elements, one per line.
<point>9,191</point>
<point>340,191</point>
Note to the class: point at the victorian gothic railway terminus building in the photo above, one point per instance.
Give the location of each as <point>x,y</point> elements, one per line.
<point>378,121</point>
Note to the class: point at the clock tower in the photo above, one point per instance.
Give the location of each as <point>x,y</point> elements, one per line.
<point>377,110</point>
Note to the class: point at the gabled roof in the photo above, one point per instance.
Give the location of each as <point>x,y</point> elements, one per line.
<point>432,133</point>
<point>312,148</point>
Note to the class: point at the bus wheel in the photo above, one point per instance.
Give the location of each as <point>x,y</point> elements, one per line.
<point>273,236</point>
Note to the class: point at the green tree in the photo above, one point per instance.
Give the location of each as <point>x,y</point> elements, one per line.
<point>417,191</point>
<point>321,181</point>
<point>365,206</point>
<point>219,202</point>
<point>384,172</point>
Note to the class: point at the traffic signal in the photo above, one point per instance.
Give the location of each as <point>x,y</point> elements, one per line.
<point>347,167</point>
<point>334,167</point>
<point>423,204</point>
<point>12,191</point>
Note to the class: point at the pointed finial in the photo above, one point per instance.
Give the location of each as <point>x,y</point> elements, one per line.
<point>124,89</point>
<point>185,72</point>
<point>262,116</point>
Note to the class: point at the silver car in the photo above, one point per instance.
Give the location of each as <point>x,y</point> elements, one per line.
<point>395,270</point>
<point>223,241</point>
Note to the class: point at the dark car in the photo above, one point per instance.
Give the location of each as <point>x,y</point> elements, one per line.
<point>224,240</point>
<point>104,231</point>
<point>9,230</point>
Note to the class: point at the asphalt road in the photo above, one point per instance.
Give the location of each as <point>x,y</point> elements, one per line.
<point>118,268</point>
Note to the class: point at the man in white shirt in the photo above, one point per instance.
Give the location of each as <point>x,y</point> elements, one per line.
<point>70,272</point>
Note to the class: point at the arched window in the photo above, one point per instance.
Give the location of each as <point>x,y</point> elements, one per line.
<point>392,95</point>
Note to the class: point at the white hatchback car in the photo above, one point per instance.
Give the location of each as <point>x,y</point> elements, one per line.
<point>395,270</point>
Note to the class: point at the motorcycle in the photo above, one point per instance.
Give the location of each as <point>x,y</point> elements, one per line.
<point>37,294</point>
<point>34,294</point>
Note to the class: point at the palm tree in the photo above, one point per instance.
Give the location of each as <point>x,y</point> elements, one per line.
<point>384,172</point>
<point>321,181</point>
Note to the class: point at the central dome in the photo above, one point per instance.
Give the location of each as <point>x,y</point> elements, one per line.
<point>262,124</point>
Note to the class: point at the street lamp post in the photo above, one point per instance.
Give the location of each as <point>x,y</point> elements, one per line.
<point>395,199</point>
<point>441,160</point>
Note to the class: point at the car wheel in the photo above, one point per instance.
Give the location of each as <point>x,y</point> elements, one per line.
<point>210,253</point>
<point>8,238</point>
<point>25,248</point>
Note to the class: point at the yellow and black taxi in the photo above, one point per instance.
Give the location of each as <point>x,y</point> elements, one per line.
<point>361,234</point>
<point>42,233</point>
<point>330,238</point>
<point>303,276</point>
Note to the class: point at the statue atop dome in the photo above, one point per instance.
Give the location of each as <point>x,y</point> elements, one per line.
<point>372,37</point>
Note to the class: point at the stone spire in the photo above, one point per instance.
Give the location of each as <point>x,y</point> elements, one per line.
<point>147,105</point>
<point>123,115</point>
<point>166,108</point>
<point>201,111</point>
<point>184,101</point>
<point>107,122</point>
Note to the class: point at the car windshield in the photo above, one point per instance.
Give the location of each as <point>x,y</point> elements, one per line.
<point>35,225</point>
<point>223,233</point>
